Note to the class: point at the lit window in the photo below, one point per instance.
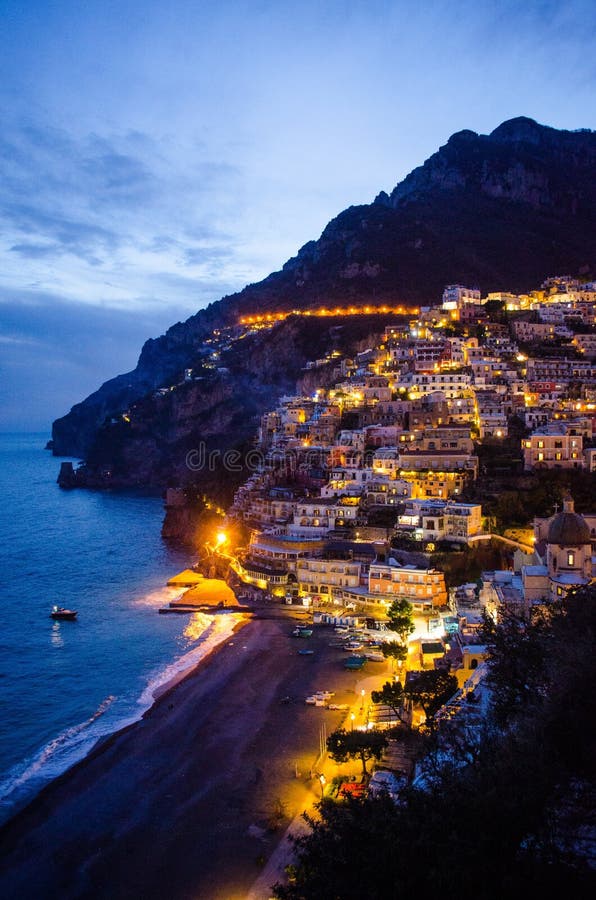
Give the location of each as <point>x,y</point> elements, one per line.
<point>570,558</point>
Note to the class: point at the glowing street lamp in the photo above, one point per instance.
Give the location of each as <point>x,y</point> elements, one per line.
<point>221,538</point>
<point>322,782</point>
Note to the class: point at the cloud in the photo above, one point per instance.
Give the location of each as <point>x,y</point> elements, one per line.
<point>54,353</point>
<point>34,251</point>
<point>109,219</point>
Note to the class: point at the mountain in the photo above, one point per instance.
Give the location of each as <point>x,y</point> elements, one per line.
<point>498,211</point>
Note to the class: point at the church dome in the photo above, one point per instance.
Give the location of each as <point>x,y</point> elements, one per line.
<point>568,528</point>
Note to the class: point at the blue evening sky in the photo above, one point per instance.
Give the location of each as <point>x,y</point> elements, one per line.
<point>155,156</point>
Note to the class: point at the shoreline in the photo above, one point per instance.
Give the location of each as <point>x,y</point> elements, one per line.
<point>163,690</point>
<point>160,692</point>
<point>212,775</point>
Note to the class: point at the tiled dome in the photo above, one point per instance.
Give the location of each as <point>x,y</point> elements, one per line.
<point>568,528</point>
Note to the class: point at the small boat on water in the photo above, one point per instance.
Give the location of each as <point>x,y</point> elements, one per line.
<point>59,612</point>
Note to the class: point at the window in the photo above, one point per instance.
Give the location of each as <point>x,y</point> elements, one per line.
<point>570,558</point>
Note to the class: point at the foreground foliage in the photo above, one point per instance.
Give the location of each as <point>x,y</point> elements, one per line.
<point>514,822</point>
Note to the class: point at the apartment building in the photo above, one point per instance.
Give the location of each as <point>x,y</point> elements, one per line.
<point>435,520</point>
<point>322,576</point>
<point>451,383</point>
<point>423,588</point>
<point>526,332</point>
<point>323,514</point>
<point>553,447</point>
<point>560,369</point>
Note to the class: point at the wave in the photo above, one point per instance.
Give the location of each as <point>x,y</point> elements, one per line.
<point>159,597</point>
<point>27,778</point>
<point>52,760</point>
<point>208,632</point>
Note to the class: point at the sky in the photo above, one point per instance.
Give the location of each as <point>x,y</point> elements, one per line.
<point>157,156</point>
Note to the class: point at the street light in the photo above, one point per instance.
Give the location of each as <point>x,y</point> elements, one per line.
<point>352,717</point>
<point>362,693</point>
<point>322,782</point>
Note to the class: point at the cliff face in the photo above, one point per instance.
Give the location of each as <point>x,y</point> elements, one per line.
<point>180,435</point>
<point>499,211</point>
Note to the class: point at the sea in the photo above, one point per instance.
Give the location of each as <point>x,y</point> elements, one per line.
<point>66,684</point>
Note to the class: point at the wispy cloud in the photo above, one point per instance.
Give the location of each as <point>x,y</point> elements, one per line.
<point>99,218</point>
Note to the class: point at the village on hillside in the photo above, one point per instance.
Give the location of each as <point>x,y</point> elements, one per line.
<point>440,467</point>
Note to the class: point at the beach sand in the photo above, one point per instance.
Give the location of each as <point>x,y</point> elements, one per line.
<point>190,801</point>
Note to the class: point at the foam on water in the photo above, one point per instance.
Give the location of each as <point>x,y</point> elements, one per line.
<point>52,760</point>
<point>160,597</point>
<point>208,632</point>
<point>66,685</point>
<point>74,743</point>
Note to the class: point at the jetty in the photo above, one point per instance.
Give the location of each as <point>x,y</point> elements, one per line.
<point>202,594</point>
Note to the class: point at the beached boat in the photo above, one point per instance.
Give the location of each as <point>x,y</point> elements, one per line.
<point>302,632</point>
<point>355,662</point>
<point>59,612</point>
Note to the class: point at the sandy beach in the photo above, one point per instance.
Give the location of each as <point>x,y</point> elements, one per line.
<point>190,801</point>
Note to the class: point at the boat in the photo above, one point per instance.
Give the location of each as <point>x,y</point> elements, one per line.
<point>302,632</point>
<point>305,652</point>
<point>353,645</point>
<point>59,612</point>
<point>355,662</point>
<point>320,698</point>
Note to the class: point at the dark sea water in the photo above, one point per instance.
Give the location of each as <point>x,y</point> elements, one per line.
<point>63,685</point>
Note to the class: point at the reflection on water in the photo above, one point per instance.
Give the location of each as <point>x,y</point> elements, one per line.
<point>56,636</point>
<point>199,623</point>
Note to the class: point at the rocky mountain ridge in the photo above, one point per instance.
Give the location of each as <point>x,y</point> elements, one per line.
<point>498,211</point>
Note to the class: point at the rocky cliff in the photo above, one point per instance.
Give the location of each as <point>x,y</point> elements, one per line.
<point>499,211</point>
<point>180,434</point>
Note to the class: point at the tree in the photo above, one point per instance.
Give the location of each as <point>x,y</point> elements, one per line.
<point>394,649</point>
<point>391,695</point>
<point>516,660</point>
<point>363,745</point>
<point>510,822</point>
<point>400,622</point>
<point>400,619</point>
<point>430,689</point>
